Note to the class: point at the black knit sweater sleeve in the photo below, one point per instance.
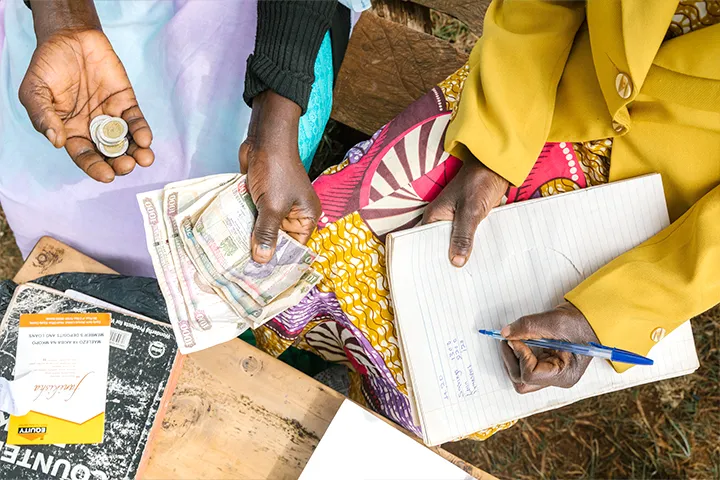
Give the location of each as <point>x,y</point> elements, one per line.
<point>289,34</point>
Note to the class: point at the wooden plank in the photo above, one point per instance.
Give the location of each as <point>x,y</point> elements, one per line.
<point>470,12</point>
<point>239,413</point>
<point>50,256</point>
<point>388,66</point>
<point>410,14</point>
<point>250,415</point>
<point>236,412</point>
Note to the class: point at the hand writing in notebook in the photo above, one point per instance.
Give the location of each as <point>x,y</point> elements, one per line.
<point>530,369</point>
<point>466,200</point>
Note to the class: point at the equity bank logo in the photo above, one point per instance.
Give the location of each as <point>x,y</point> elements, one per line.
<point>32,432</point>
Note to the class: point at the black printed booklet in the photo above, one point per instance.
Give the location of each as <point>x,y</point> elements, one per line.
<point>83,385</point>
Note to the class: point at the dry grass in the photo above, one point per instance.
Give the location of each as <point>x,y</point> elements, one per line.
<point>10,259</point>
<point>452,30</point>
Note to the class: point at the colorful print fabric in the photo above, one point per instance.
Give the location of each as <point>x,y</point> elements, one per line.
<point>383,185</point>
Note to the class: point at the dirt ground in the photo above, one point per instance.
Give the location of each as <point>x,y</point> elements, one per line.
<point>670,429</point>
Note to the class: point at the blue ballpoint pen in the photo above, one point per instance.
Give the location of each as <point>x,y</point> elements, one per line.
<point>591,350</point>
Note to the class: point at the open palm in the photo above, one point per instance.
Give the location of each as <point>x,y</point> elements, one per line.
<point>73,77</point>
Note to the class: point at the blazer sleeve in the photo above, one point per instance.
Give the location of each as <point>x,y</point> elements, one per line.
<point>289,34</point>
<point>506,105</point>
<point>634,300</point>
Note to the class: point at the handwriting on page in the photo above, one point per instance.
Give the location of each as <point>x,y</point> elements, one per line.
<point>442,383</point>
<point>462,369</point>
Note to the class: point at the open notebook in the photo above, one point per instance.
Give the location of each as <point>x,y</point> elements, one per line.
<point>526,257</point>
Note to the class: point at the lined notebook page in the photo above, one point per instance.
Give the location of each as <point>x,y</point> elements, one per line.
<point>526,257</point>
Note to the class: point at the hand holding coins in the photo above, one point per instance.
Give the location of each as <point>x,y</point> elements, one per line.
<point>63,115</point>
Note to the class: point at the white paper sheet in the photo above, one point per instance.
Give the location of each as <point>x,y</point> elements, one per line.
<point>526,257</point>
<point>360,446</point>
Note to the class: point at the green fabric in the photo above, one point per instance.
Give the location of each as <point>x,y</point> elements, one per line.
<point>307,362</point>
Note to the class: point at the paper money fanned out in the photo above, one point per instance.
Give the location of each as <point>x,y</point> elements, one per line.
<point>198,234</point>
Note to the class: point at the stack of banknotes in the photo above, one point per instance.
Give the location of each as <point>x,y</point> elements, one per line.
<point>198,234</point>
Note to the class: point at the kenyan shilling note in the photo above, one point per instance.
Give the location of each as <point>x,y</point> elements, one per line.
<point>189,339</point>
<point>206,308</point>
<point>290,297</point>
<point>223,231</point>
<point>159,249</point>
<point>242,303</point>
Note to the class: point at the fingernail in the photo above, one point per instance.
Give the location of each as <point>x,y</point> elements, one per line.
<point>51,135</point>
<point>505,332</point>
<point>262,253</point>
<point>511,346</point>
<point>459,260</point>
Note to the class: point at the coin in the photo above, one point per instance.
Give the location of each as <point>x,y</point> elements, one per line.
<point>116,150</point>
<point>112,131</point>
<point>94,124</point>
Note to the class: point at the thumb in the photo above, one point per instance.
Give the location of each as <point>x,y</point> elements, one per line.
<point>38,102</point>
<point>244,155</point>
<point>265,234</point>
<point>462,237</point>
<point>530,327</point>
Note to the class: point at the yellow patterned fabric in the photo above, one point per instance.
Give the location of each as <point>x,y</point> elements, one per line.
<point>452,86</point>
<point>594,158</point>
<point>363,293</point>
<point>336,168</point>
<point>692,15</point>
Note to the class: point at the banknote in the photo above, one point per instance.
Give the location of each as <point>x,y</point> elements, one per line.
<point>290,297</point>
<point>189,339</point>
<point>208,306</point>
<point>242,303</point>
<point>235,296</point>
<point>159,249</point>
<point>223,231</point>
<point>205,307</point>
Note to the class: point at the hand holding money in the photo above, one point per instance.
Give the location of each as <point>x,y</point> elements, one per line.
<point>276,179</point>
<point>198,234</point>
<point>75,76</point>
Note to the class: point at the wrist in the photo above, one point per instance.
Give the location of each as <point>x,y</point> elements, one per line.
<point>276,109</point>
<point>277,120</point>
<point>474,164</point>
<point>584,329</point>
<point>53,16</point>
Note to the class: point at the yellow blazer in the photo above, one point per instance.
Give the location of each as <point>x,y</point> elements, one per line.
<point>578,71</point>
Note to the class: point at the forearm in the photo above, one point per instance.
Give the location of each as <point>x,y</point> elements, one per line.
<point>49,16</point>
<point>508,99</point>
<point>634,300</point>
<point>288,38</point>
<point>275,121</point>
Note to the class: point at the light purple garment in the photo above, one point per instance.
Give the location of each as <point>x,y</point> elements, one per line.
<point>186,61</point>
